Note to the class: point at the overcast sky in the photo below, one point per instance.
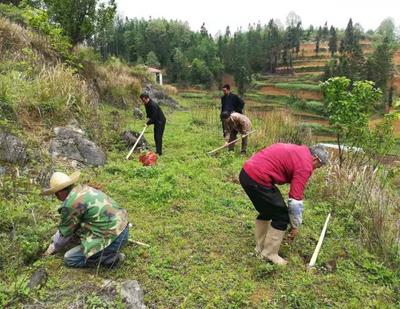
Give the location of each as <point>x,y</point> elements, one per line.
<point>218,14</point>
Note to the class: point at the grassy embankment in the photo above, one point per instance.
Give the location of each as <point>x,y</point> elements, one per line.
<point>199,223</point>
<point>189,208</point>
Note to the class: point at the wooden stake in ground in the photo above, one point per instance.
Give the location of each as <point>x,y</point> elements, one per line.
<point>137,141</point>
<point>138,243</point>
<point>230,143</point>
<point>319,244</point>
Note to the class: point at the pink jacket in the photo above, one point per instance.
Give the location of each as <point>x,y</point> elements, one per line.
<point>280,164</point>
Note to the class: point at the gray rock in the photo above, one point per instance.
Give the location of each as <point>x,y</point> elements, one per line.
<point>129,291</point>
<point>38,278</point>
<point>160,97</point>
<point>132,295</point>
<point>12,149</point>
<point>130,138</point>
<point>137,113</point>
<point>71,143</point>
<point>2,170</point>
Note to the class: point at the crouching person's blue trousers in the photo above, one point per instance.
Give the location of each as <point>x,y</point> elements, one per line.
<point>108,257</point>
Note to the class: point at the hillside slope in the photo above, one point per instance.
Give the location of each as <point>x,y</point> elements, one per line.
<point>189,208</point>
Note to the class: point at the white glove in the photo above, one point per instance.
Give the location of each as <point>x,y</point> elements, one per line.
<point>50,250</point>
<point>295,212</point>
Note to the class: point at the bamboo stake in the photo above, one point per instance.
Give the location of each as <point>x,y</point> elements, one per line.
<point>139,243</point>
<point>137,141</point>
<point>230,143</point>
<point>319,244</point>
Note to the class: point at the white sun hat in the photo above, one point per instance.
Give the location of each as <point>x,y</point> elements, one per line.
<point>59,181</point>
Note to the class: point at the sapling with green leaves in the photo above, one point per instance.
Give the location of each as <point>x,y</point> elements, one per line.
<point>348,107</point>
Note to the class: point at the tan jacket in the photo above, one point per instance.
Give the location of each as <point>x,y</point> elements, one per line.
<point>237,122</point>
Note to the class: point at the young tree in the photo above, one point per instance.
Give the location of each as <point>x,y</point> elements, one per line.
<point>79,18</point>
<point>332,41</point>
<point>200,73</point>
<point>318,40</point>
<point>203,30</point>
<point>348,106</point>
<point>152,60</point>
<point>380,66</point>
<point>179,70</point>
<point>325,31</point>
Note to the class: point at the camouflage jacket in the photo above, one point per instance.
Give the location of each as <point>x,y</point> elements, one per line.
<point>237,122</point>
<point>93,216</point>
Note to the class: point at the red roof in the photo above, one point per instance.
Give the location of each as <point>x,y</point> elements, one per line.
<point>154,70</point>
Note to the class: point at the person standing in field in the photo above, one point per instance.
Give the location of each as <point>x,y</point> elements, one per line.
<point>233,124</point>
<point>156,117</point>
<point>275,165</point>
<point>230,103</point>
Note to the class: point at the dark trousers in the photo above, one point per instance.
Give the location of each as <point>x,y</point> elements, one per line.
<point>233,136</point>
<point>267,201</point>
<point>158,135</point>
<point>107,257</point>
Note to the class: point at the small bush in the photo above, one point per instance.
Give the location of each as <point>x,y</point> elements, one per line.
<point>278,127</point>
<point>170,90</point>
<point>117,84</point>
<point>53,94</point>
<point>361,191</point>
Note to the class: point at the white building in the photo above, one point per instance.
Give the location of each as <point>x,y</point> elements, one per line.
<point>157,73</point>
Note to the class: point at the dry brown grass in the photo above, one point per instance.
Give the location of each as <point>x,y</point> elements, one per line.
<point>117,85</point>
<point>364,192</point>
<point>170,90</point>
<point>20,44</point>
<point>55,93</point>
<point>277,126</point>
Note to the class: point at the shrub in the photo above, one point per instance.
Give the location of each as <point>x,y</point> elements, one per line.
<point>278,127</point>
<point>56,93</point>
<point>117,85</point>
<point>170,90</point>
<point>359,193</point>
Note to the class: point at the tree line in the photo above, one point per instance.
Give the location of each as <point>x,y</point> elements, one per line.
<point>197,57</point>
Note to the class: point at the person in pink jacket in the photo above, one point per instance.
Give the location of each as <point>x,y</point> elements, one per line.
<point>276,165</point>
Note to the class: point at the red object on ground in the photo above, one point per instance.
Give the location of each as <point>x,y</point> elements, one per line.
<point>148,159</point>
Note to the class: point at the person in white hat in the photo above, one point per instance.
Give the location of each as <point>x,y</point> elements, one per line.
<point>90,216</point>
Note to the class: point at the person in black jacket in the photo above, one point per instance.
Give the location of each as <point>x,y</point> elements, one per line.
<point>155,116</point>
<point>230,103</point>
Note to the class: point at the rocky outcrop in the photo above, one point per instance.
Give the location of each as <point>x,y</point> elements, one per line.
<point>159,96</point>
<point>130,138</point>
<point>12,149</point>
<point>137,113</point>
<point>38,278</point>
<point>71,143</point>
<point>130,293</point>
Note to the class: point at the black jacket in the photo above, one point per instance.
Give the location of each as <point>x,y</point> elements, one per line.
<point>154,113</point>
<point>232,103</point>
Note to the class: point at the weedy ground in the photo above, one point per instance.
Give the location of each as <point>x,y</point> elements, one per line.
<point>199,224</point>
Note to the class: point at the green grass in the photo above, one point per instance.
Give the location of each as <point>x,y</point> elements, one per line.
<point>310,69</point>
<point>199,223</point>
<point>295,86</point>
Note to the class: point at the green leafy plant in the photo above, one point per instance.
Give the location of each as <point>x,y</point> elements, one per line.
<point>348,107</point>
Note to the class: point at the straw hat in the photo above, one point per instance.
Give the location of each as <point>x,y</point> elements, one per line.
<point>59,181</point>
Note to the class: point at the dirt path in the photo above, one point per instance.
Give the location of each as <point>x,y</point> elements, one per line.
<point>302,94</point>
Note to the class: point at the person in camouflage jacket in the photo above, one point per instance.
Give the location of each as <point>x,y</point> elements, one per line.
<point>235,123</point>
<point>90,216</point>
